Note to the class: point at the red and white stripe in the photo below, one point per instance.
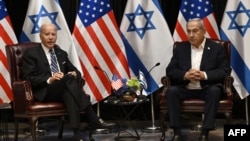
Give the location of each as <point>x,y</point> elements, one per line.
<point>116,84</point>
<point>180,33</point>
<point>7,36</point>
<point>100,45</point>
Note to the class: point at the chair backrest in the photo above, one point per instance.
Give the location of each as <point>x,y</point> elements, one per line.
<point>225,44</point>
<point>227,47</point>
<point>14,55</point>
<point>22,92</point>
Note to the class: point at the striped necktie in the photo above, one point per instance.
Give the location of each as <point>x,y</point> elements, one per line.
<point>53,66</point>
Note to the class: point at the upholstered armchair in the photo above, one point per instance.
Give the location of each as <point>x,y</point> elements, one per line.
<point>197,105</point>
<point>24,104</point>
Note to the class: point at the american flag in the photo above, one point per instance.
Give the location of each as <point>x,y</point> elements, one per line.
<point>202,9</point>
<point>7,36</point>
<point>116,83</point>
<point>98,42</point>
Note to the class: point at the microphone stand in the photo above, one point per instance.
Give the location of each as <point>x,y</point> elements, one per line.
<point>153,128</point>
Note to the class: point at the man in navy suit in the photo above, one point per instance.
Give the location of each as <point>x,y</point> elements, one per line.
<point>197,69</point>
<point>61,86</point>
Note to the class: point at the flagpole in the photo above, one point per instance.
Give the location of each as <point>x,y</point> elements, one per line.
<point>247,116</point>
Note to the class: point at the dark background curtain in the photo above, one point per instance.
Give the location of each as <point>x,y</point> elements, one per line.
<point>17,10</point>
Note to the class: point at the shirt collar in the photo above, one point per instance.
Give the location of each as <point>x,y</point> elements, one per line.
<point>46,50</point>
<point>202,45</point>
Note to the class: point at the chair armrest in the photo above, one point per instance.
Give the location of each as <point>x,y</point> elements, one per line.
<point>165,81</point>
<point>23,96</point>
<point>162,92</point>
<point>228,83</point>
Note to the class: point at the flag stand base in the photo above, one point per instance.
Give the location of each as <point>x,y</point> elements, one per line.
<point>152,129</point>
<point>199,127</point>
<point>101,131</point>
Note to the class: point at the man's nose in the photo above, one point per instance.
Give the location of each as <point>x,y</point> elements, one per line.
<point>191,33</point>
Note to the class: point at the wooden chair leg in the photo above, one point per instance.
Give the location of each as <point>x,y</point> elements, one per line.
<point>229,117</point>
<point>33,127</point>
<point>162,119</point>
<point>16,130</point>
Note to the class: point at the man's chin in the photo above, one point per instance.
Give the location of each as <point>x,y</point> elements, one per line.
<point>50,45</point>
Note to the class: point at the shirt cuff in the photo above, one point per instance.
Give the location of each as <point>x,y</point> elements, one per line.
<point>205,74</point>
<point>48,80</point>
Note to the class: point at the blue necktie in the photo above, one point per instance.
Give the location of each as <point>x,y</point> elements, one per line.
<point>53,66</point>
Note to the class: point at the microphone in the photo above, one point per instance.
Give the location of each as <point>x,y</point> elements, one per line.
<point>148,73</point>
<point>157,64</point>
<point>110,99</point>
<point>98,68</point>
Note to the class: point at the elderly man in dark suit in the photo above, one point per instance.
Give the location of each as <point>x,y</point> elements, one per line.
<point>54,78</point>
<point>196,70</point>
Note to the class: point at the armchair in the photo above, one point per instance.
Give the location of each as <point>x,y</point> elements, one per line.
<point>198,105</point>
<point>24,104</point>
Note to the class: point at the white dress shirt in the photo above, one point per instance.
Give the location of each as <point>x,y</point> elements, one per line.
<point>196,55</point>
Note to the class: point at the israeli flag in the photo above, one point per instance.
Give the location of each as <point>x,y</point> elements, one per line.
<point>235,27</point>
<point>49,11</point>
<point>147,40</point>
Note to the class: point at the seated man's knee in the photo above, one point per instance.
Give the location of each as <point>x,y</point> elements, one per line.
<point>214,91</point>
<point>171,91</point>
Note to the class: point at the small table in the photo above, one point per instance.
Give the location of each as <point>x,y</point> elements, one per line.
<point>122,105</point>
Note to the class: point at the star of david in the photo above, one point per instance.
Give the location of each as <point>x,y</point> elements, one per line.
<point>140,29</point>
<point>239,13</point>
<point>43,13</point>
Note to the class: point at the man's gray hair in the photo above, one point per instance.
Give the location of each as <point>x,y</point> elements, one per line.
<point>200,21</point>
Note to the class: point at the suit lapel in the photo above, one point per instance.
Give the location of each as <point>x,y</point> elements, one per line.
<point>187,54</point>
<point>43,56</point>
<point>205,55</point>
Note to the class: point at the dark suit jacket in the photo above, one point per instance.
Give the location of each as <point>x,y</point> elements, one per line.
<point>36,68</point>
<point>213,62</point>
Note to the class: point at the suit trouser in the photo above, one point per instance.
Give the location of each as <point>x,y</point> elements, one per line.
<point>69,91</point>
<point>176,94</point>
